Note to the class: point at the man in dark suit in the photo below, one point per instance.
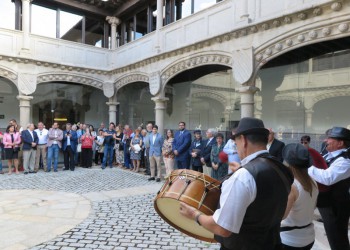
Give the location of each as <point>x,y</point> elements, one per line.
<point>30,140</point>
<point>206,150</point>
<point>181,145</point>
<point>275,146</point>
<point>70,141</point>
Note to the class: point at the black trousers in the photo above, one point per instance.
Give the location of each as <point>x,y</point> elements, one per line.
<point>197,168</point>
<point>336,219</point>
<point>86,157</point>
<point>147,163</point>
<point>68,155</point>
<point>98,156</point>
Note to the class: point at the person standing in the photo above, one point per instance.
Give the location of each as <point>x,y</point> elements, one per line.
<point>218,169</point>
<point>149,128</point>
<point>231,149</point>
<point>167,152</point>
<point>195,151</point>
<point>275,146</point>
<point>297,229</point>
<point>42,134</point>
<point>87,142</point>
<point>155,153</point>
<point>11,141</point>
<point>253,199</point>
<point>54,144</point>
<point>119,156</point>
<point>30,140</point>
<point>136,150</point>
<point>337,176</point>
<point>206,151</point>
<point>127,132</point>
<point>70,141</point>
<point>108,146</point>
<point>1,152</point>
<point>100,147</point>
<point>181,145</point>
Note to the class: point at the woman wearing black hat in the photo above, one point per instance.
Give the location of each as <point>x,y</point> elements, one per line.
<point>195,151</point>
<point>297,229</point>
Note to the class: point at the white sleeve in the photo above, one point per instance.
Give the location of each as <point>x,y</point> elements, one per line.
<point>339,170</point>
<point>228,148</point>
<point>238,192</point>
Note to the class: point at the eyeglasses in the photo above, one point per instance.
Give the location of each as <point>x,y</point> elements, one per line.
<point>304,142</point>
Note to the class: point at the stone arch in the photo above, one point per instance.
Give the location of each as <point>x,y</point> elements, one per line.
<point>9,75</point>
<point>212,95</point>
<point>130,78</point>
<point>311,33</point>
<point>70,77</point>
<point>196,60</point>
<point>331,94</point>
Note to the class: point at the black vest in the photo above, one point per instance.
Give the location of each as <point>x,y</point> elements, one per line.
<point>338,196</point>
<point>261,223</point>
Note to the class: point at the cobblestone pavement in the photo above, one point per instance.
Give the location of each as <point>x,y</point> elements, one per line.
<point>126,223</point>
<point>121,215</point>
<point>79,181</point>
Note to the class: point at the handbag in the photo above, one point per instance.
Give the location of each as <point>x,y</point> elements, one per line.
<point>16,149</point>
<point>101,149</point>
<point>79,147</point>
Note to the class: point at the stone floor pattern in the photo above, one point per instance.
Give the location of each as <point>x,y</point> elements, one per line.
<point>111,209</point>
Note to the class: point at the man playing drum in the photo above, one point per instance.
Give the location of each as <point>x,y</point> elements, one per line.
<point>253,200</point>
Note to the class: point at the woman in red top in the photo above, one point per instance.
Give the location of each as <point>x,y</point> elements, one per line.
<point>87,141</point>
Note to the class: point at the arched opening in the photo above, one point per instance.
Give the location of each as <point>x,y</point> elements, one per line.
<point>292,84</point>
<point>135,105</point>
<point>9,105</point>
<point>69,102</point>
<point>204,97</point>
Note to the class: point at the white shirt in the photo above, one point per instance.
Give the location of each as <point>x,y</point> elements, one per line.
<point>231,150</point>
<point>238,192</point>
<point>337,171</point>
<point>68,139</point>
<point>42,135</point>
<point>154,138</point>
<point>31,133</point>
<point>301,214</point>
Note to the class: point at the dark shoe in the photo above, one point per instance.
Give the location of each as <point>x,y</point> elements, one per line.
<point>151,179</point>
<point>25,173</point>
<point>158,180</point>
<point>72,170</point>
<point>55,170</point>
<point>48,171</point>
<point>32,172</point>
<point>1,172</point>
<point>147,173</point>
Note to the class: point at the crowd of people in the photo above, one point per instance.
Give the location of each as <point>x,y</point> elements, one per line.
<point>269,189</point>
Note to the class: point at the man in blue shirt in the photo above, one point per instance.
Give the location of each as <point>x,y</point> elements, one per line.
<point>109,146</point>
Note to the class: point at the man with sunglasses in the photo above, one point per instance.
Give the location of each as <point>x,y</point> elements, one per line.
<point>42,133</point>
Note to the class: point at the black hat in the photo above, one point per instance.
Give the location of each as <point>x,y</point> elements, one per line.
<point>197,131</point>
<point>339,133</point>
<point>296,155</point>
<point>249,125</point>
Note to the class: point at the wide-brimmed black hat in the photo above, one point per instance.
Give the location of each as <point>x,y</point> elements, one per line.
<point>297,155</point>
<point>249,125</point>
<point>339,133</point>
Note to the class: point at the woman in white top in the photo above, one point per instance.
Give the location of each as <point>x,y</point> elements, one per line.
<point>297,229</point>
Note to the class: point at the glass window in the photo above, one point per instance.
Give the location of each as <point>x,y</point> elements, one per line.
<point>43,21</point>
<point>94,31</point>
<point>306,95</point>
<point>7,14</point>
<point>203,4</point>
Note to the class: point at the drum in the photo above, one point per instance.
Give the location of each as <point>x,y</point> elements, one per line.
<point>193,188</point>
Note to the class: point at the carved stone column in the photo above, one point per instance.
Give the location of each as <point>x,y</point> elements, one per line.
<point>112,110</point>
<point>114,22</point>
<point>25,50</point>
<point>24,109</point>
<point>308,114</point>
<point>247,100</point>
<point>159,112</point>
<point>159,14</point>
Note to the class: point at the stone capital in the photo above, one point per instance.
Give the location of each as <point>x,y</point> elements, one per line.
<point>112,103</point>
<point>160,102</point>
<point>24,100</point>
<point>248,89</point>
<point>112,20</point>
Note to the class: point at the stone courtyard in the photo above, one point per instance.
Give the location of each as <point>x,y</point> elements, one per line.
<point>89,209</point>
